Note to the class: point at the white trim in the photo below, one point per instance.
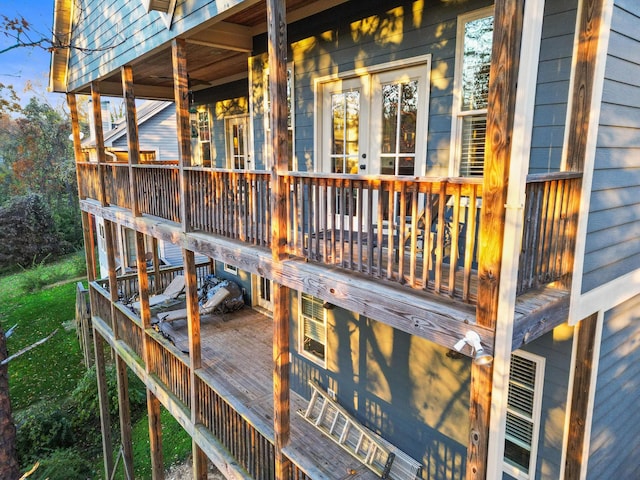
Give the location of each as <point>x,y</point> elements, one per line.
<point>588,421</point>
<point>514,226</point>
<point>538,390</point>
<point>232,269</point>
<point>607,296</point>
<point>237,119</point>
<point>577,311</point>
<point>252,117</point>
<point>455,144</point>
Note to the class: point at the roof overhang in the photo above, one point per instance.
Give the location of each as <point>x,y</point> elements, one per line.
<point>62,18</point>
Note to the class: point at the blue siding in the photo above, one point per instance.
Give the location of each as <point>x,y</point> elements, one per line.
<point>159,134</point>
<point>615,432</point>
<point>403,387</point>
<point>613,233</point>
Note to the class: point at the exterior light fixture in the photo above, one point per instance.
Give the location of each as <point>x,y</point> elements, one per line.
<point>471,338</point>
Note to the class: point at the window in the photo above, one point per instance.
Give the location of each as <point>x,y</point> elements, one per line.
<point>204,137</point>
<point>267,118</point>
<point>237,144</point>
<point>230,269</point>
<point>471,88</point>
<point>526,378</point>
<point>313,328</point>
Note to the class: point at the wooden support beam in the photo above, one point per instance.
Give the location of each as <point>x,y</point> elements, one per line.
<point>125,416</point>
<point>181,98</point>
<point>200,462</point>
<point>277,28</point>
<point>156,265</point>
<point>281,368</point>
<point>584,77</point>
<point>503,79</point>
<point>75,132</point>
<point>580,396</point>
<point>143,282</point>
<point>133,141</point>
<point>113,280</point>
<point>103,402</point>
<point>89,245</point>
<point>99,138</point>
<point>155,436</point>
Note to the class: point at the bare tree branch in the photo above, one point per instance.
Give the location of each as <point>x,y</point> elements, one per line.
<point>26,349</point>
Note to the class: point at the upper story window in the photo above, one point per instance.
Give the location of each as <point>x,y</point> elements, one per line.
<point>204,137</point>
<point>524,404</point>
<point>473,60</point>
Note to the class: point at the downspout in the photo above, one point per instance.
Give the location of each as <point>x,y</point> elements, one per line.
<point>513,229</point>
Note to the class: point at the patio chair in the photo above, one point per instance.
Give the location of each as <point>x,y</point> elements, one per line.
<point>169,296</point>
<point>206,308</point>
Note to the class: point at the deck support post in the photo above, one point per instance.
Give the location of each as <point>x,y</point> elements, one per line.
<point>125,416</point>
<point>103,402</point>
<point>99,137</point>
<point>89,245</point>
<point>278,139</point>
<point>195,356</point>
<point>113,280</point>
<point>181,98</point>
<point>155,436</point>
<point>158,287</point>
<point>585,336</point>
<point>133,142</point>
<point>505,56</point>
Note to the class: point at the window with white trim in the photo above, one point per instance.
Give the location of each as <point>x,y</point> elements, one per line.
<point>204,136</point>
<point>230,268</point>
<point>312,328</point>
<point>524,405</point>
<point>290,122</point>
<point>471,87</point>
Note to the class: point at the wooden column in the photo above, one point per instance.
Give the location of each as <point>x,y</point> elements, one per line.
<point>584,76</point>
<point>155,436</point>
<point>99,137</point>
<point>580,396</point>
<point>133,143</point>
<point>181,98</point>
<point>156,267</point>
<point>89,245</point>
<point>505,55</point>
<point>75,132</point>
<point>113,281</point>
<point>125,415</point>
<point>103,402</point>
<point>277,39</point>
<point>195,355</point>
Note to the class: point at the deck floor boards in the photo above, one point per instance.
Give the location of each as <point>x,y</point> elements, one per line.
<point>237,351</point>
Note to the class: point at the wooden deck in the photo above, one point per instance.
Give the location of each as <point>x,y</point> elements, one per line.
<point>237,352</point>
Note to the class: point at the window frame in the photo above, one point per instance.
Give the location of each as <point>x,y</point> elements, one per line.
<point>232,269</point>
<point>457,113</point>
<point>510,467</point>
<point>322,362</point>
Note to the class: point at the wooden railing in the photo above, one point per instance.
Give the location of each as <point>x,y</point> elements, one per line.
<point>235,204</point>
<point>89,186</point>
<point>421,232</point>
<point>100,303</point>
<point>551,215</point>
<point>129,328</point>
<point>171,367</point>
<point>117,184</point>
<point>158,190</point>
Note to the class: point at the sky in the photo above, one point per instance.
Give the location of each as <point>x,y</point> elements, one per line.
<point>22,65</point>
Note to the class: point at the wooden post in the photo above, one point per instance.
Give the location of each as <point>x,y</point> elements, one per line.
<point>156,266</point>
<point>580,396</point>
<point>89,246</point>
<point>505,55</point>
<point>99,136</point>
<point>77,142</point>
<point>125,415</point>
<point>155,436</point>
<point>181,98</point>
<point>195,355</point>
<point>277,40</point>
<point>133,143</point>
<point>103,402</point>
<point>113,281</point>
<point>143,284</point>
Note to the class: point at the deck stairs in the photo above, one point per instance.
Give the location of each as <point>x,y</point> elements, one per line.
<point>377,454</point>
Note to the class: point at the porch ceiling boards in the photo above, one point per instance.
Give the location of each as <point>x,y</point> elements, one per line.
<point>237,353</point>
<point>217,51</point>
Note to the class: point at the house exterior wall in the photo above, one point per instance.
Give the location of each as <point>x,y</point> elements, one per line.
<point>157,134</point>
<point>556,348</point>
<point>401,386</point>
<point>612,247</point>
<point>554,71</point>
<point>615,433</point>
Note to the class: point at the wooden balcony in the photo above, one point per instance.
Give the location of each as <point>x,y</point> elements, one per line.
<point>422,233</point>
<point>233,411</point>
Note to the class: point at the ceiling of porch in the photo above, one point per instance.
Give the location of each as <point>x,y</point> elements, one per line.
<point>217,51</point>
